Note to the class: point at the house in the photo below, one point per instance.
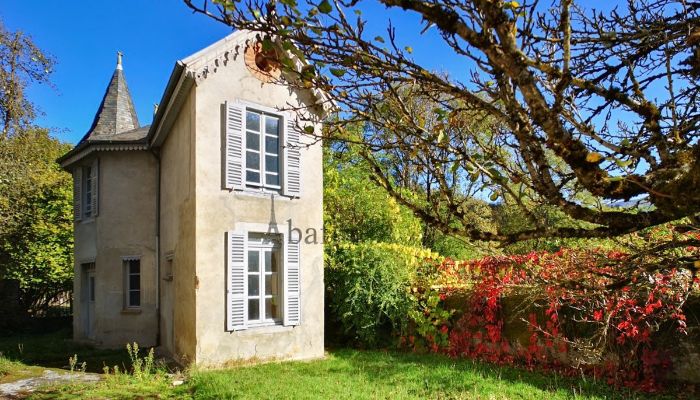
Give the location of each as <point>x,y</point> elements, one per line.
<point>188,231</point>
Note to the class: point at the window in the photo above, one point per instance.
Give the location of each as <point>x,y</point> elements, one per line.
<point>85,187</point>
<point>132,283</point>
<point>263,286</point>
<point>89,185</point>
<point>262,149</point>
<point>264,256</point>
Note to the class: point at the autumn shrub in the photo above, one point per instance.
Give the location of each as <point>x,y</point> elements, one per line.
<point>369,289</point>
<point>575,311</point>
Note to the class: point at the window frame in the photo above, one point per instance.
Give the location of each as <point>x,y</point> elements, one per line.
<point>262,243</point>
<point>262,150</point>
<point>127,263</point>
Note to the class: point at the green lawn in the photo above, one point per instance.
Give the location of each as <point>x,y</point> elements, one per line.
<point>343,374</point>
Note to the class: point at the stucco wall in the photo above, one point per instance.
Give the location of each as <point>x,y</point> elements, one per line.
<point>177,236</point>
<point>124,226</point>
<point>219,210</point>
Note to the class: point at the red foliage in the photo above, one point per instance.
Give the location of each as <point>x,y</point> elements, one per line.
<point>577,295</point>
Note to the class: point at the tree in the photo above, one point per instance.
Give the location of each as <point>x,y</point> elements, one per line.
<point>21,63</point>
<point>36,221</point>
<point>357,210</point>
<point>575,102</point>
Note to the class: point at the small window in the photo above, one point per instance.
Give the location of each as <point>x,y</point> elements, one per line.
<point>132,273</point>
<point>262,158</point>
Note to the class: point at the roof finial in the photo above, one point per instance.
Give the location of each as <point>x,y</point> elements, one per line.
<point>119,59</point>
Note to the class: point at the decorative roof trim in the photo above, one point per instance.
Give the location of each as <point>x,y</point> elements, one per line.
<point>102,147</point>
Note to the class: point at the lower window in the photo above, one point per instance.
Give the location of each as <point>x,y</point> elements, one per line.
<point>264,280</point>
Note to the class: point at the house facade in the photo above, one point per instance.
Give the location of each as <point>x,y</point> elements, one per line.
<point>192,233</point>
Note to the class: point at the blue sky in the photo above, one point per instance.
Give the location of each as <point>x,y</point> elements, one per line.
<point>84,37</point>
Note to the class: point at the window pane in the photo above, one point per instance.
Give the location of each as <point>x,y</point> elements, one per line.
<point>272,145</point>
<point>252,160</point>
<point>272,308</point>
<point>252,141</point>
<point>253,261</point>
<point>253,309</point>
<point>252,121</point>
<point>271,284</point>
<point>253,285</point>
<point>271,179</point>
<point>272,125</point>
<point>134,282</point>
<point>134,298</point>
<point>252,176</point>
<point>134,266</point>
<point>91,289</point>
<point>272,164</point>
<point>268,261</point>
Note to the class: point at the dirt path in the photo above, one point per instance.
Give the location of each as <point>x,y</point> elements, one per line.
<point>17,389</point>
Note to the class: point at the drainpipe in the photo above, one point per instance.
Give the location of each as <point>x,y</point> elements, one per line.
<point>156,154</point>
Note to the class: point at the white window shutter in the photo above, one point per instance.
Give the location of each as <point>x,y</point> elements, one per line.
<point>234,155</point>
<point>237,284</point>
<point>292,158</point>
<point>292,283</point>
<point>94,190</point>
<point>78,193</point>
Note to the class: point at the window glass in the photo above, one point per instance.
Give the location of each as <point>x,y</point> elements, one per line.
<point>272,125</point>
<point>91,288</point>
<point>264,285</point>
<point>252,141</point>
<point>263,149</point>
<point>252,121</point>
<point>133,282</point>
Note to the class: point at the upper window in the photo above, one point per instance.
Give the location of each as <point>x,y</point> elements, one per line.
<point>85,191</point>
<point>262,150</point>
<point>89,175</point>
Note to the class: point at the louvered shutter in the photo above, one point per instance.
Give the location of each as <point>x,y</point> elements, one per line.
<point>292,159</point>
<point>78,193</point>
<point>292,283</point>
<point>94,190</point>
<point>234,154</point>
<point>237,284</point>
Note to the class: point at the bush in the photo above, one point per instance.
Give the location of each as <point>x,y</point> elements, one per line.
<point>369,289</point>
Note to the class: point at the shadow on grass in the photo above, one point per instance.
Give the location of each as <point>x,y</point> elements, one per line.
<point>52,350</point>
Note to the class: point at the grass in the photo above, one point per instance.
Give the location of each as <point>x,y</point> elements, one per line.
<point>52,350</point>
<point>344,373</point>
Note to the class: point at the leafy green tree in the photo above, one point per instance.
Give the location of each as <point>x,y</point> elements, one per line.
<point>36,227</point>
<point>21,63</point>
<point>357,210</point>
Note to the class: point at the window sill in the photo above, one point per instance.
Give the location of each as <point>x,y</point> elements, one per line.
<point>263,193</point>
<point>264,329</point>
<point>131,311</point>
<point>87,220</point>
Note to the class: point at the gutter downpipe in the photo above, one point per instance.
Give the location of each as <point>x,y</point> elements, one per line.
<point>156,154</point>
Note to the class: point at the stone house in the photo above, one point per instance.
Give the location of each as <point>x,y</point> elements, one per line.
<point>188,231</point>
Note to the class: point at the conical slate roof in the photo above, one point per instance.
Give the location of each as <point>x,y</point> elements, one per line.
<point>116,113</point>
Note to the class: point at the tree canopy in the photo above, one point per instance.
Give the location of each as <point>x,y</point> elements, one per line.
<point>21,63</point>
<point>561,102</point>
